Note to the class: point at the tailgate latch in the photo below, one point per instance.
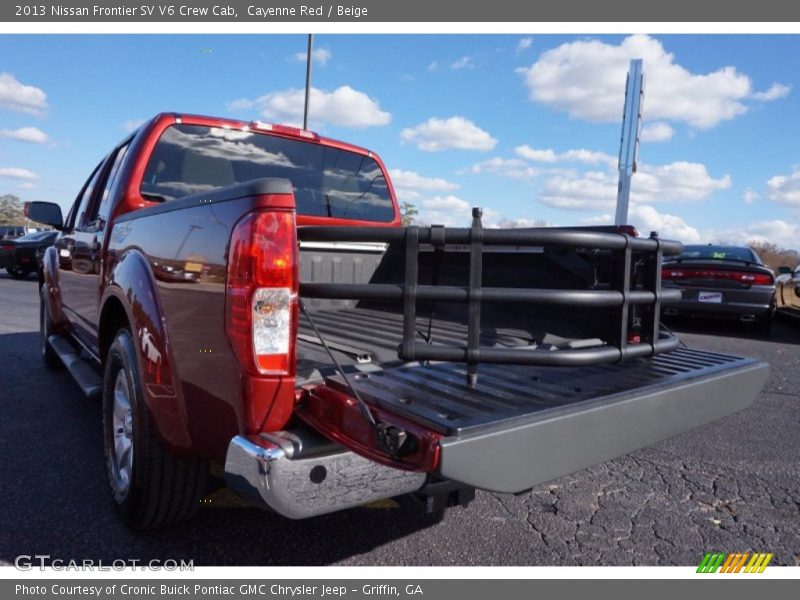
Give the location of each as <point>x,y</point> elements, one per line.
<point>395,441</point>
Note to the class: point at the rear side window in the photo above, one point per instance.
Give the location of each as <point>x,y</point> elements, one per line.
<point>329,182</point>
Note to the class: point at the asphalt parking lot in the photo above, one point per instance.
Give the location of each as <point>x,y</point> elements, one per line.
<point>731,486</point>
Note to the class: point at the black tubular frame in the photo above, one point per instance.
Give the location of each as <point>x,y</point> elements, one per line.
<point>623,248</point>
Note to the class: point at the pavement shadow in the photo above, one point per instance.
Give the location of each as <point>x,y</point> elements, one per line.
<point>784,330</point>
<point>56,500</point>
<point>31,278</point>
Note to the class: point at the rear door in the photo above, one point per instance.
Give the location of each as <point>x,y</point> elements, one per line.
<point>75,273</point>
<point>83,244</point>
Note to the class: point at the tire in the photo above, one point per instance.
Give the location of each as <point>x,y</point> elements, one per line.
<point>49,357</point>
<point>150,487</point>
<point>17,272</point>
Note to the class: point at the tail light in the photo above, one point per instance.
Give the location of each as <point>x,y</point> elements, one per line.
<point>261,303</point>
<point>629,230</point>
<point>285,130</point>
<point>738,276</point>
<point>6,246</point>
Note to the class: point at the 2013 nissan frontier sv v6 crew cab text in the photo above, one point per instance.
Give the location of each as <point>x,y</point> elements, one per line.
<point>244,295</point>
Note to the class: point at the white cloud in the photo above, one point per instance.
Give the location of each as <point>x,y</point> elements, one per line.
<point>785,189</point>
<point>524,44</point>
<point>750,196</point>
<point>776,231</point>
<point>26,134</point>
<point>441,134</point>
<point>409,184</point>
<point>20,97</point>
<point>133,124</point>
<point>528,153</point>
<point>513,168</point>
<point>465,62</point>
<point>658,131</point>
<point>453,211</point>
<point>581,155</point>
<point>26,185</point>
<point>595,190</point>
<point>433,67</point>
<point>17,173</point>
<point>320,56</point>
<point>521,222</point>
<point>586,79</point>
<point>344,106</point>
<point>775,91</point>
<point>646,219</point>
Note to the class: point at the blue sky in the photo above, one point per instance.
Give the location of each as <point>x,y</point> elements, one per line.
<point>525,126</point>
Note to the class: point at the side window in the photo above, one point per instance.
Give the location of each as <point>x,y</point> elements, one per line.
<point>82,201</point>
<point>104,206</point>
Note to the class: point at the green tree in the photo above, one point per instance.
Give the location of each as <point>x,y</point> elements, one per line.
<point>11,211</point>
<point>408,213</point>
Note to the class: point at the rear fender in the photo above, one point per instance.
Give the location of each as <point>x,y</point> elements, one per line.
<point>131,282</point>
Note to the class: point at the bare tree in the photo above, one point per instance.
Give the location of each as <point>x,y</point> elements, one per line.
<point>408,213</point>
<point>775,256</point>
<point>11,210</point>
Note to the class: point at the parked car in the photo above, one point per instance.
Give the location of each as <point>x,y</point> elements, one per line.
<point>787,291</point>
<point>721,282</point>
<point>19,257</point>
<point>11,232</point>
<point>327,356</point>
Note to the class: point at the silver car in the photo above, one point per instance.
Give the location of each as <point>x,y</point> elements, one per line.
<point>721,282</point>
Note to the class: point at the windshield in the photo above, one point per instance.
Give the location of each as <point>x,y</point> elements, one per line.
<point>719,253</point>
<point>329,182</point>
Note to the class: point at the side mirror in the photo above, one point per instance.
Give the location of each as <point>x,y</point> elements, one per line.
<point>48,213</point>
<point>784,270</point>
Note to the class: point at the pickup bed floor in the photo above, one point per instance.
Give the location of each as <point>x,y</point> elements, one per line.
<point>378,333</point>
<point>438,396</point>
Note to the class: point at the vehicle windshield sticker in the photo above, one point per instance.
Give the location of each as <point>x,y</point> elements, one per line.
<point>719,255</point>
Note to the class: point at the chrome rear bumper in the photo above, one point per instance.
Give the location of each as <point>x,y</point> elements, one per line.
<point>299,474</point>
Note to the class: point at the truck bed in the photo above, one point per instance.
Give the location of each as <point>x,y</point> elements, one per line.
<point>507,363</point>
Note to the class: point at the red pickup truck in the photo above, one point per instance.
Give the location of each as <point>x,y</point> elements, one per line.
<point>244,295</point>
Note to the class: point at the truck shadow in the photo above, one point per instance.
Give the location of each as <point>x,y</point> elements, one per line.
<point>56,502</point>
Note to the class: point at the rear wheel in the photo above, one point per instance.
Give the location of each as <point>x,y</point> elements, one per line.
<point>17,272</point>
<point>49,357</point>
<point>151,488</point>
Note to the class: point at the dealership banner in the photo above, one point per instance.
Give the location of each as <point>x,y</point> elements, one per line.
<point>442,11</point>
<point>354,589</point>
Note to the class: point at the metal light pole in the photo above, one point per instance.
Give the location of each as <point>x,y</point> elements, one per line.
<point>308,78</point>
<point>629,143</point>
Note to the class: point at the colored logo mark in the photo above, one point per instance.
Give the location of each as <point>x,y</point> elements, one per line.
<point>735,562</point>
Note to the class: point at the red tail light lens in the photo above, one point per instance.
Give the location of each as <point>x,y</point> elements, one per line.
<point>261,299</point>
<point>673,273</point>
<point>285,130</point>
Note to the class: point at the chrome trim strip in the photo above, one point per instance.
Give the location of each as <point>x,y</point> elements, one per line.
<point>357,246</point>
